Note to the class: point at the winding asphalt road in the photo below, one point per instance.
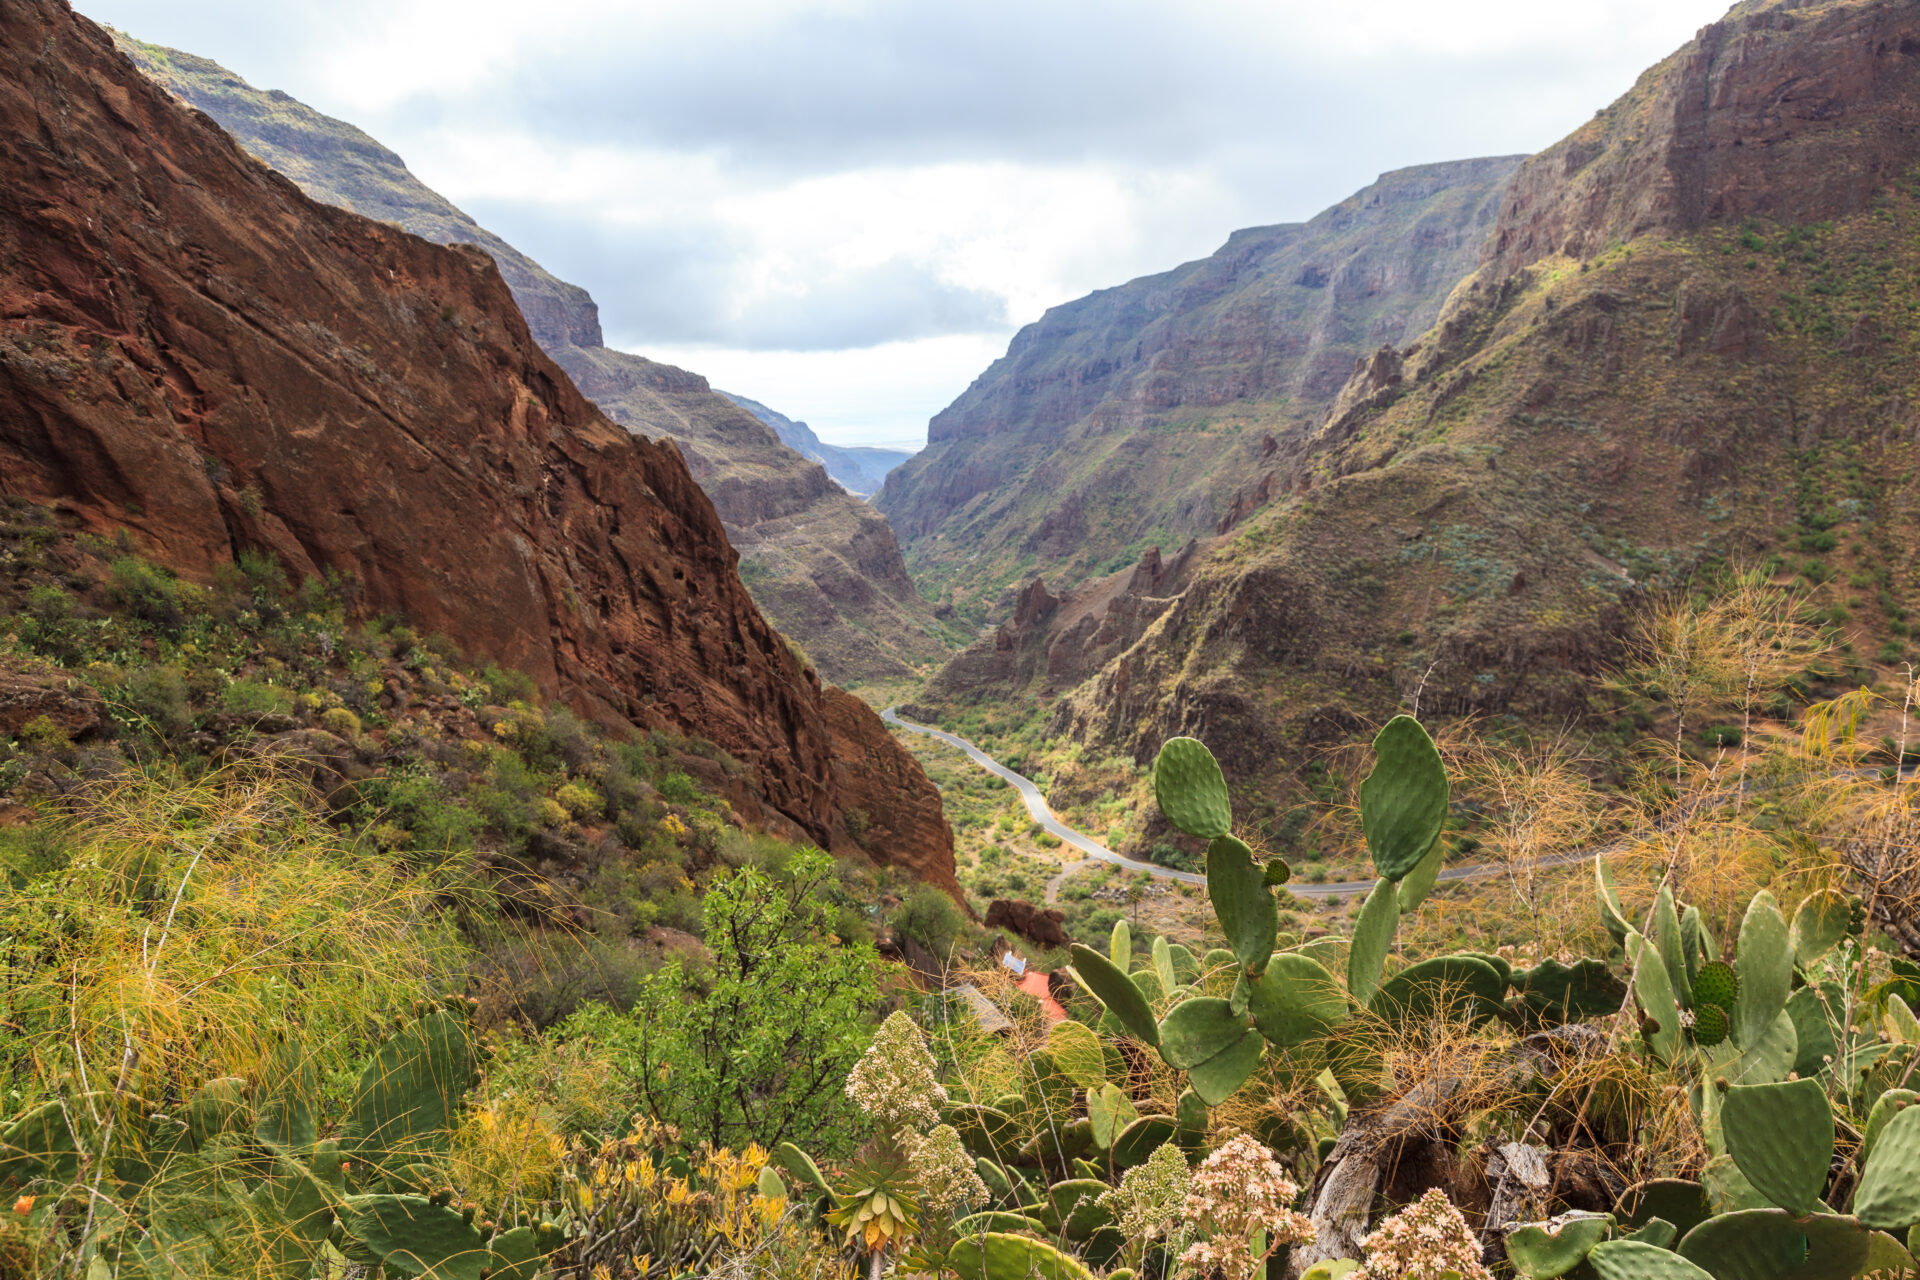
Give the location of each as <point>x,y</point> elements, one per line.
<point>1037,806</point>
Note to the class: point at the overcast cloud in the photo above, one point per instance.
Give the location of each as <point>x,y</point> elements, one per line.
<point>843,208</point>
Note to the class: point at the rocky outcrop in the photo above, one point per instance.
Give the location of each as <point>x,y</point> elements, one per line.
<point>1051,644</point>
<point>1038,925</point>
<point>824,566</point>
<point>1139,412</point>
<point>195,351</point>
<point>1791,110</point>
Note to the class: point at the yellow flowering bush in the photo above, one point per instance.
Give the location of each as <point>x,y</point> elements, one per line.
<point>644,1212</point>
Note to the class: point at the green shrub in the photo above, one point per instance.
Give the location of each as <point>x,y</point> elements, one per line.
<point>1722,735</point>
<point>158,697</point>
<point>579,799</point>
<point>148,593</point>
<point>341,723</point>
<point>930,918</point>
<point>678,788</point>
<point>757,1048</point>
<point>255,698</point>
<point>508,686</point>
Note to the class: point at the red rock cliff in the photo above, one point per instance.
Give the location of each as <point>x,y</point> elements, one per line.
<point>1794,110</point>
<point>191,348</point>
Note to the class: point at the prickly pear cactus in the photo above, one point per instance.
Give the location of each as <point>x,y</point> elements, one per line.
<point>1191,790</point>
<point>413,1236</point>
<point>410,1094</point>
<point>1403,801</point>
<point>994,1255</point>
<point>1781,1136</point>
<point>1548,1250</point>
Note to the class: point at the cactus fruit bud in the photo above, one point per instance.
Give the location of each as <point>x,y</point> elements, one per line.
<point>1709,1025</point>
<point>1716,983</point>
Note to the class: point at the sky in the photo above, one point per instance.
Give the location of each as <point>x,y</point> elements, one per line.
<point>846,208</point>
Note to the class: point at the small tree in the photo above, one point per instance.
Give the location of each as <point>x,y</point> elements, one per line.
<point>756,1048</point>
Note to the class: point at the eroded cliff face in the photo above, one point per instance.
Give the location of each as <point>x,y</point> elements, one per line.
<point>194,350</point>
<point>1794,111</point>
<point>1689,342</point>
<point>1156,411</point>
<point>821,563</point>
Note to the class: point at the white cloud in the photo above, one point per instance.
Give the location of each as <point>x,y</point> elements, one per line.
<point>902,181</point>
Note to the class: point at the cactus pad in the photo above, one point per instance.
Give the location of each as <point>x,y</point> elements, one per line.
<point>995,1255</point>
<point>1819,923</point>
<point>1117,992</point>
<point>1454,986</point>
<point>1295,1000</point>
<point>1077,1052</point>
<point>1191,790</point>
<point>1419,882</point>
<point>1716,983</point>
<point>1888,1197</point>
<point>985,1131</point>
<point>1885,1108</point>
<point>1634,1260</point>
<point>1242,902</point>
<point>1611,913</point>
<point>996,1220</point>
<point>1655,994</point>
<point>1073,1207</point>
<point>517,1255</point>
<point>1760,1244</point>
<point>1139,1140</point>
<point>1372,939</point>
<point>1403,801</point>
<point>1556,992</point>
<point>1120,946</point>
<point>1111,1111</point>
<point>1547,1250</point>
<point>1684,1204</point>
<point>410,1094</point>
<point>39,1145</point>
<point>1766,970</point>
<point>1673,948</point>
<point>1781,1136</point>
<point>413,1236</point>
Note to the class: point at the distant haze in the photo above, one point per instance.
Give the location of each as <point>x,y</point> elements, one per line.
<point>844,208</point>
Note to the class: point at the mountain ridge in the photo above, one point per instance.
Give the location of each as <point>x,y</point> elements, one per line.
<point>824,566</point>
<point>1153,412</point>
<point>859,469</point>
<point>201,355</point>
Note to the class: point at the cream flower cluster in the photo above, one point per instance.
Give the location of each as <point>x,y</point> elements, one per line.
<point>1149,1200</point>
<point>1236,1191</point>
<point>894,1080</point>
<point>942,1171</point>
<point>1428,1240</point>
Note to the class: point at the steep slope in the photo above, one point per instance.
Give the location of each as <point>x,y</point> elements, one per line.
<point>824,566</point>
<point>858,469</point>
<point>1158,411</point>
<point>193,350</point>
<point>1692,340</point>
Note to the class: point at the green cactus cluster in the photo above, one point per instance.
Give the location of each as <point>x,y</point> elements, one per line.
<point>1285,998</point>
<point>1780,1139</point>
<point>368,1194</point>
